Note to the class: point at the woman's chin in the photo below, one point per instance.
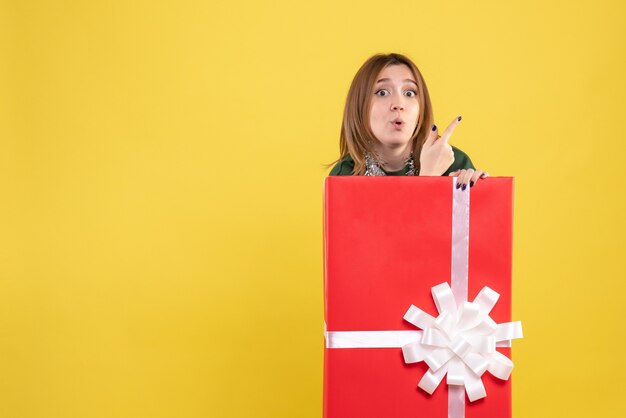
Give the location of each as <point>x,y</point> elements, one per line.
<point>395,141</point>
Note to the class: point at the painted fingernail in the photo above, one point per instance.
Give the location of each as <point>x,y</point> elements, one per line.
<point>434,127</point>
<point>463,188</point>
<point>458,185</point>
<point>482,175</point>
<point>459,118</point>
<point>471,184</point>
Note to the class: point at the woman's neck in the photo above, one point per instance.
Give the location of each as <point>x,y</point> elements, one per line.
<point>394,158</point>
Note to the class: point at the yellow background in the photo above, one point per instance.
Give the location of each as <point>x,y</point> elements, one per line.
<point>161,168</point>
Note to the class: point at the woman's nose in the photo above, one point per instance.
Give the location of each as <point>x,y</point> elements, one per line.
<point>397,106</point>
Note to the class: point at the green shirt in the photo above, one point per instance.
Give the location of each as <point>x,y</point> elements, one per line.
<point>346,165</point>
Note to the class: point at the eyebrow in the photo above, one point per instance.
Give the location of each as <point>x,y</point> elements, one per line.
<point>388,79</point>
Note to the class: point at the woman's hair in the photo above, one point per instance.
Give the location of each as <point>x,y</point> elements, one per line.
<point>356,136</point>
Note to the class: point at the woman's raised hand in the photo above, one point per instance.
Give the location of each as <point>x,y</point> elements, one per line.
<point>437,155</point>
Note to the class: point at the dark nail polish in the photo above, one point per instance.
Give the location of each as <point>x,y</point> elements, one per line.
<point>464,187</point>
<point>434,127</point>
<point>482,175</point>
<point>471,184</point>
<point>458,185</point>
<point>459,118</point>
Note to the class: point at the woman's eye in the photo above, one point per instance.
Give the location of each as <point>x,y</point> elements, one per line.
<point>411,93</point>
<point>382,93</point>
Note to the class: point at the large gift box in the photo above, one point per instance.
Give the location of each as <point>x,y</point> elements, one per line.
<point>417,297</point>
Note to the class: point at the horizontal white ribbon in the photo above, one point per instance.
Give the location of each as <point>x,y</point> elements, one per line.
<point>370,339</point>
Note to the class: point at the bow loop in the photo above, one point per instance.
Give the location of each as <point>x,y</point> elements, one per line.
<point>434,337</point>
<point>418,317</point>
<point>444,298</point>
<point>486,299</point>
<point>469,316</point>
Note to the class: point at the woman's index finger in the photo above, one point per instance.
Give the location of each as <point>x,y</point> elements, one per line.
<point>448,132</point>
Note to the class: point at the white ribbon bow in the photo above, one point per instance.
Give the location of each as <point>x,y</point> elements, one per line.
<point>460,342</point>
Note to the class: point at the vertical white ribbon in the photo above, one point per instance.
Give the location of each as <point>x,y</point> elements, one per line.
<point>459,268</point>
<point>456,401</point>
<point>460,242</point>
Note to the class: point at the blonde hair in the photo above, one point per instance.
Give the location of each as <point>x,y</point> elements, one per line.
<point>357,138</point>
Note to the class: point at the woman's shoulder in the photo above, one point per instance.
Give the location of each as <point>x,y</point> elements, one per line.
<point>343,167</point>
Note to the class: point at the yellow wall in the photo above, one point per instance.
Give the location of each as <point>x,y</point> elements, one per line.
<point>161,183</point>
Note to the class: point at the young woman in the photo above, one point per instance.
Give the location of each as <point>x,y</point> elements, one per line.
<point>388,120</point>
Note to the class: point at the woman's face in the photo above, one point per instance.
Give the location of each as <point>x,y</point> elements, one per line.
<point>394,108</point>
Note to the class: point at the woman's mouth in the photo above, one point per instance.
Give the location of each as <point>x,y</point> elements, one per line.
<point>398,124</point>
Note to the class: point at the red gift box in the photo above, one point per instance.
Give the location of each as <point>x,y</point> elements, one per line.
<point>388,241</point>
